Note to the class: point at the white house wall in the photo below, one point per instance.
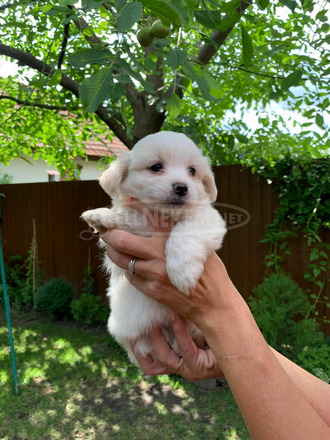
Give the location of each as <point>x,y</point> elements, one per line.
<point>36,171</point>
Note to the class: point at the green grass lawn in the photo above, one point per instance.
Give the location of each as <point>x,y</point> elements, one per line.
<point>77,384</point>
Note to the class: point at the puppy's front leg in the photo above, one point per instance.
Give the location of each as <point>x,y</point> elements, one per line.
<point>101,218</point>
<point>189,245</point>
<point>185,258</point>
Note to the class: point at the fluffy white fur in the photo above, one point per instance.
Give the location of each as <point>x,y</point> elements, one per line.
<point>180,186</point>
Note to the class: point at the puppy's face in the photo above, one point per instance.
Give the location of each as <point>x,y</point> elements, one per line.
<point>165,171</point>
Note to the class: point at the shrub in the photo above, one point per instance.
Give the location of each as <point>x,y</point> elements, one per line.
<point>89,309</point>
<point>16,281</point>
<point>88,281</point>
<point>316,360</point>
<point>54,297</point>
<point>20,281</point>
<point>280,307</point>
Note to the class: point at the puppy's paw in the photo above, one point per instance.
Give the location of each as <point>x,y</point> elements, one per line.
<point>184,273</point>
<point>99,219</point>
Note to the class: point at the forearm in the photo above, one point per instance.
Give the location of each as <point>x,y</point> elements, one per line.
<point>270,402</point>
<point>315,391</point>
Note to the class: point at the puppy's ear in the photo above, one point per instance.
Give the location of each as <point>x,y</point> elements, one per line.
<point>115,174</point>
<point>209,185</point>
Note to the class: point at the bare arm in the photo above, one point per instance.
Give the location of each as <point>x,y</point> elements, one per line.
<point>276,400</point>
<point>315,391</point>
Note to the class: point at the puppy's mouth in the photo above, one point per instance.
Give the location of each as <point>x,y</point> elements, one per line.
<point>176,201</point>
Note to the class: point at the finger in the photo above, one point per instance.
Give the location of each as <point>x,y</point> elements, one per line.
<point>120,259</point>
<point>198,363</point>
<point>159,222</point>
<point>141,267</point>
<point>149,365</point>
<point>148,287</point>
<point>187,346</point>
<point>163,352</point>
<point>129,244</point>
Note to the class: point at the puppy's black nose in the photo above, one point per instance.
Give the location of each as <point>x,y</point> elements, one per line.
<point>180,189</point>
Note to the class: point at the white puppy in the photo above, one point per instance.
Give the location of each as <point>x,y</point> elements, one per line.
<point>167,172</point>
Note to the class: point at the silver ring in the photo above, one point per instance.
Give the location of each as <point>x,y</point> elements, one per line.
<point>131,266</point>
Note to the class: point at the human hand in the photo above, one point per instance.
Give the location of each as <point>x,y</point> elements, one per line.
<point>194,364</point>
<point>211,297</point>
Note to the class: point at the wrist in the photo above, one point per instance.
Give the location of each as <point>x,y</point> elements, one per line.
<point>217,297</point>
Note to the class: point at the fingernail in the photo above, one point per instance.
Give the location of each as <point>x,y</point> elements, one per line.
<point>172,315</point>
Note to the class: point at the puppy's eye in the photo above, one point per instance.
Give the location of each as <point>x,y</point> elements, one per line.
<point>156,167</point>
<point>192,171</point>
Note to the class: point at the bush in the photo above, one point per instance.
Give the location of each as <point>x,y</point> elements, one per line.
<point>54,297</point>
<point>20,281</point>
<point>16,282</point>
<point>280,307</point>
<point>316,360</point>
<point>89,309</point>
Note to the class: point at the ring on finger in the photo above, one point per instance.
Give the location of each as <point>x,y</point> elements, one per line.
<point>131,266</point>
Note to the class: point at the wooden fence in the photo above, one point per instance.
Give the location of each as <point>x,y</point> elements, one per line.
<point>66,246</point>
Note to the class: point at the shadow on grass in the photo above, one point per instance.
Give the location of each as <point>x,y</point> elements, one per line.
<point>78,384</point>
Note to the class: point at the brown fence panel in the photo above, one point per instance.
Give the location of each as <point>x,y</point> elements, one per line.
<point>242,252</point>
<point>65,245</point>
<point>64,241</point>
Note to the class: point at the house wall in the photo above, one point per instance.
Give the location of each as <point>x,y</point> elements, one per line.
<point>35,171</point>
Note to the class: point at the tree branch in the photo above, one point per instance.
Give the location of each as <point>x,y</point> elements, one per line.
<point>28,59</point>
<point>109,8</point>
<point>66,31</point>
<point>38,104</point>
<point>81,25</point>
<point>219,37</point>
<point>207,52</point>
<point>255,73</point>
<point>157,77</point>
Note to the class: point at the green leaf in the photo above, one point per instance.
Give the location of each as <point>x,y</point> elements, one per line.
<point>319,120</point>
<point>247,47</point>
<point>209,19</point>
<point>163,10</point>
<point>229,22</point>
<point>129,15</point>
<point>97,88</point>
<point>136,75</point>
<point>90,56</point>
<point>291,4</point>
<point>262,3</point>
<point>67,2</point>
<point>181,9</point>
<point>242,138</point>
<point>87,5</point>
<point>88,31</point>
<point>120,4</point>
<point>46,8</point>
<point>230,7</point>
<point>174,106</point>
<point>208,86</point>
<point>56,78</point>
<point>176,57</point>
<point>313,256</point>
<point>291,80</point>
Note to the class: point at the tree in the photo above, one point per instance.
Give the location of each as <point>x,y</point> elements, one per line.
<point>212,57</point>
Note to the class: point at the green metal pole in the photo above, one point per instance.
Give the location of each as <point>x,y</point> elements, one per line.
<point>7,306</point>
